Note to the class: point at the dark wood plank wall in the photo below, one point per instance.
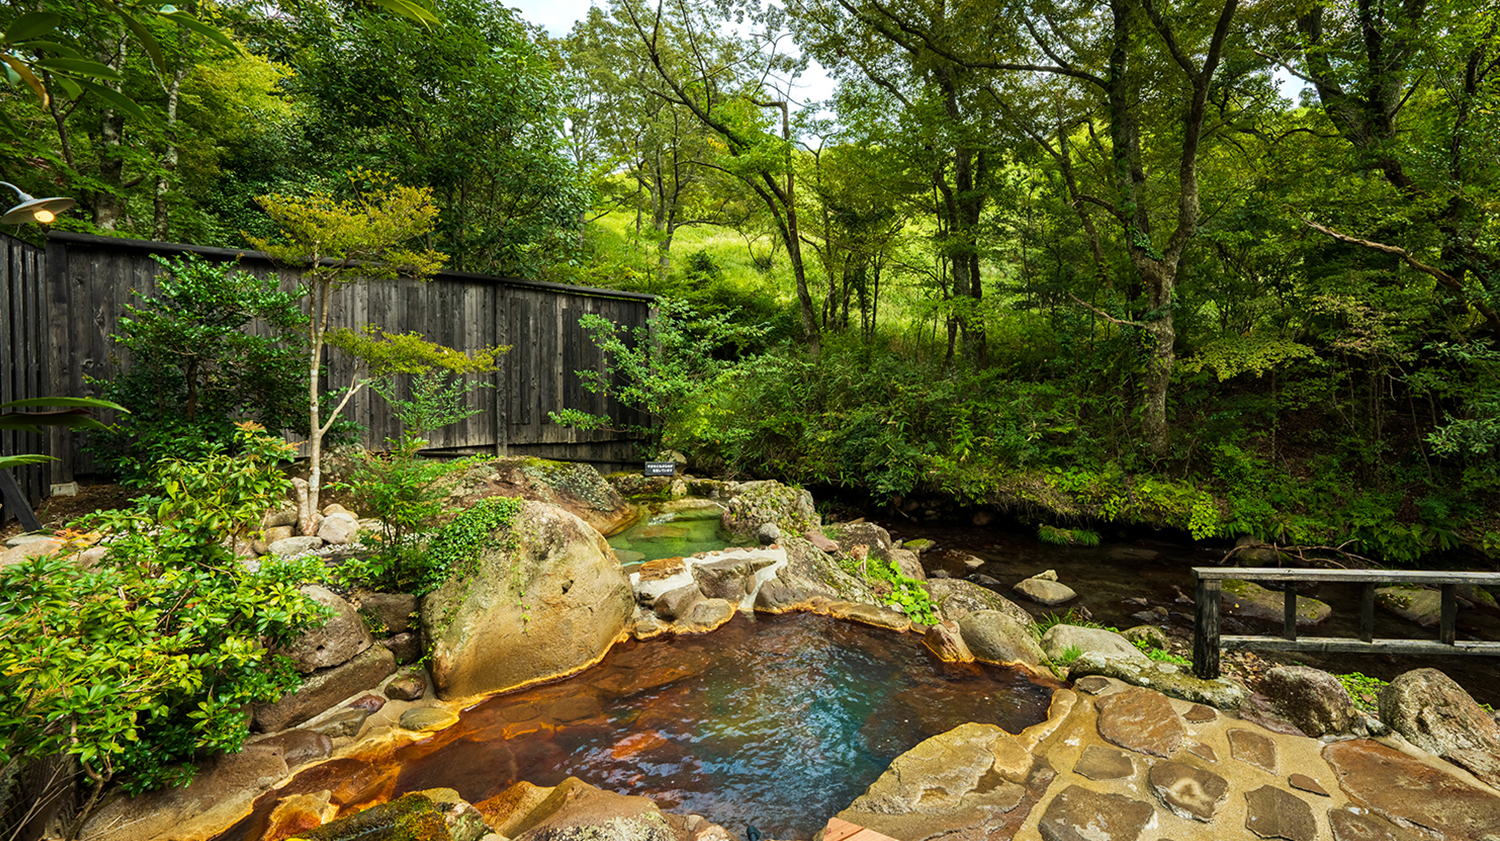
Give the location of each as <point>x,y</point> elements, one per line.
<point>91,279</point>
<point>23,369</point>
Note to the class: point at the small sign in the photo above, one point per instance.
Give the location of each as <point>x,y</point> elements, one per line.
<point>661,468</point>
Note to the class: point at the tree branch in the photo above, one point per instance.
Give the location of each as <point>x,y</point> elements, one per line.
<point>1441,276</point>
<point>1104,315</point>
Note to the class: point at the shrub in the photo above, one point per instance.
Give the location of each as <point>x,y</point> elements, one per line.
<point>139,665</point>
<point>662,369</point>
<point>400,488</point>
<point>194,370</point>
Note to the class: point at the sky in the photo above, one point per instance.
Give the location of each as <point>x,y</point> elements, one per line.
<point>558,16</point>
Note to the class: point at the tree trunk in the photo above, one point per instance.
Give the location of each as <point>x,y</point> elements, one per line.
<point>160,217</point>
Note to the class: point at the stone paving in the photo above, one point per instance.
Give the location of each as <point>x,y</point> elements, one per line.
<point>1121,763</point>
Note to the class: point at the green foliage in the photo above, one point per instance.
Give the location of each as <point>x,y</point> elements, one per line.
<point>146,660</point>
<point>467,108</point>
<point>1067,537</point>
<point>366,236</point>
<point>194,367</point>
<point>402,490</point>
<point>437,399</point>
<point>455,548</point>
<point>1232,354</point>
<point>1161,655</point>
<point>57,412</point>
<point>1047,621</point>
<point>387,354</point>
<point>219,495</point>
<point>661,369</point>
<point>1363,690</point>
<point>894,588</point>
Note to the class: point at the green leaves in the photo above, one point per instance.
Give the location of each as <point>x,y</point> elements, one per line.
<point>145,660</point>
<point>71,413</point>
<point>192,24</point>
<point>409,9</point>
<point>30,25</point>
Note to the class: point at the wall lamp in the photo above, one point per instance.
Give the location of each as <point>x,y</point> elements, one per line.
<point>33,209</point>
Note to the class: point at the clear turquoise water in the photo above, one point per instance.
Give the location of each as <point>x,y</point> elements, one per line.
<point>777,721</point>
<point>676,535</point>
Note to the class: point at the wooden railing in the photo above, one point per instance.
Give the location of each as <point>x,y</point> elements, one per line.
<point>1207,642</point>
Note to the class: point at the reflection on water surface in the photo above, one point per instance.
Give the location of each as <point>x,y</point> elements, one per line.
<point>780,721</point>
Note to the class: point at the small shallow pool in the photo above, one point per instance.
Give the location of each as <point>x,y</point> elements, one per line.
<point>778,721</point>
<point>677,532</point>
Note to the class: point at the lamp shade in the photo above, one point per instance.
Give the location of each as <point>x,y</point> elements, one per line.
<point>34,209</point>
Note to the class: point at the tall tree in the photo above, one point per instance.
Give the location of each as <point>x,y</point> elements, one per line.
<point>621,118</point>
<point>469,108</point>
<point>1413,88</point>
<point>367,237</point>
<point>907,53</point>
<point>724,82</point>
<point>1124,65</point>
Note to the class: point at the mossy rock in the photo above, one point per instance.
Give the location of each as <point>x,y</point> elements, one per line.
<point>1418,605</point>
<point>1224,693</point>
<point>640,489</point>
<point>411,817</point>
<point>753,504</point>
<point>1250,600</point>
<point>577,487</point>
<point>545,598</point>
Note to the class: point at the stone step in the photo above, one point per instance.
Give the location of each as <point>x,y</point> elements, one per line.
<point>841,830</point>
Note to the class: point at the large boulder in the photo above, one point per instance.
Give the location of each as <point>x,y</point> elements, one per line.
<point>574,810</point>
<point>220,793</point>
<point>808,574</point>
<point>436,814</point>
<point>325,688</point>
<point>728,579</point>
<point>869,535</point>
<point>994,637</point>
<point>392,611</point>
<point>1169,679</point>
<point>752,504</point>
<point>336,641</point>
<point>576,487</point>
<point>1250,600</point>
<point>1312,699</point>
<point>1419,605</point>
<point>974,781</point>
<point>878,546</point>
<point>1438,716</point>
<point>1045,591</point>
<point>1107,644</point>
<point>545,602</point>
<point>954,597</point>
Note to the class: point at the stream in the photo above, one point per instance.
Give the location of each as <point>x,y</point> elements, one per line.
<point>1108,576</point>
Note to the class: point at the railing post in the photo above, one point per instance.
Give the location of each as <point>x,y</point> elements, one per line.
<point>1289,611</point>
<point>1367,613</point>
<point>1206,629</point>
<point>1447,628</point>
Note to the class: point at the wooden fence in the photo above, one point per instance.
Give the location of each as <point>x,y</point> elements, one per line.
<point>23,371</point>
<point>88,280</point>
<point>1207,641</point>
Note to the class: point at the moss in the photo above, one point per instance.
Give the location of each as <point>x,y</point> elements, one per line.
<point>639,489</point>
<point>413,817</point>
<point>1392,599</point>
<point>580,480</point>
